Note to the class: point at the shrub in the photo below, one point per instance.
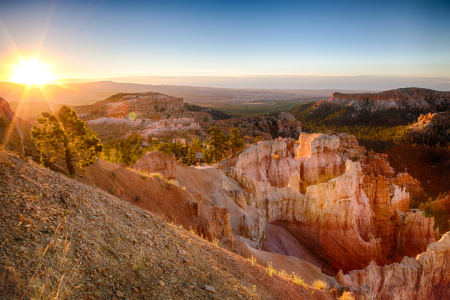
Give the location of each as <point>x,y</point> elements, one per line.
<point>271,269</point>
<point>320,284</point>
<point>347,296</point>
<point>298,280</point>
<point>137,198</point>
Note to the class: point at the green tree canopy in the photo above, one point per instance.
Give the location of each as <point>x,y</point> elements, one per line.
<point>236,141</point>
<point>65,134</point>
<point>206,155</point>
<point>197,145</point>
<point>217,144</point>
<point>191,155</point>
<point>127,151</point>
<point>165,148</point>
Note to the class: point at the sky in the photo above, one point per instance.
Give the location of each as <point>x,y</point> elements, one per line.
<point>254,44</point>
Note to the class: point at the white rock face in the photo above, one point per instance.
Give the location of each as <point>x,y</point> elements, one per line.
<point>318,158</point>
<point>268,161</point>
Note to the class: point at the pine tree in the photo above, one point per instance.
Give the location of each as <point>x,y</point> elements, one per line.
<point>197,145</point>
<point>206,155</point>
<point>65,134</point>
<point>191,155</point>
<point>236,141</point>
<point>165,148</point>
<point>217,144</point>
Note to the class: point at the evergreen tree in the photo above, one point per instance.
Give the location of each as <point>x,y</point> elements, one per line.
<point>197,145</point>
<point>65,134</point>
<point>217,144</point>
<point>191,155</point>
<point>206,155</point>
<point>177,149</point>
<point>165,148</point>
<point>127,151</point>
<point>236,141</point>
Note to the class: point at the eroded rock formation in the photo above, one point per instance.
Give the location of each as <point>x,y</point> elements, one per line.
<point>318,158</point>
<point>157,162</point>
<point>423,277</point>
<point>326,207</point>
<point>268,161</point>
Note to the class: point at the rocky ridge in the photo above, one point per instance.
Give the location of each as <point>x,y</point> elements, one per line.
<point>399,99</point>
<point>423,277</point>
<point>59,235</point>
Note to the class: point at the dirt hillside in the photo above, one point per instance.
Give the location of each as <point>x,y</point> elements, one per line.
<point>63,238</point>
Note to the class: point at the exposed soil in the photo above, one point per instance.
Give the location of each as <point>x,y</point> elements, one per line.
<point>57,234</point>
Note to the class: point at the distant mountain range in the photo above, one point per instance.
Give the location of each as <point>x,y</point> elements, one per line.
<point>89,93</point>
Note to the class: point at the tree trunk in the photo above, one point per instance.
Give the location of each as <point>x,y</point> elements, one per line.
<point>69,163</point>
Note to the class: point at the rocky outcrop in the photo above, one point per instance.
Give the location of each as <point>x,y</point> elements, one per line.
<point>400,99</point>
<point>157,162</point>
<point>219,190</point>
<point>432,129</point>
<point>125,105</point>
<point>423,277</point>
<point>268,127</point>
<point>349,147</point>
<point>327,208</point>
<point>268,161</point>
<point>376,164</point>
<point>317,154</point>
<point>9,127</point>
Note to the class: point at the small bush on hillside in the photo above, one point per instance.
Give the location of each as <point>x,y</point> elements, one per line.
<point>271,269</point>
<point>157,175</point>
<point>137,198</point>
<point>320,284</point>
<point>252,260</point>
<point>347,296</point>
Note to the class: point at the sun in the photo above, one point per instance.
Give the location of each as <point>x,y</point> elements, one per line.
<point>32,72</point>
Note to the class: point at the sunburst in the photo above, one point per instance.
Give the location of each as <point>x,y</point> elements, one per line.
<point>31,72</point>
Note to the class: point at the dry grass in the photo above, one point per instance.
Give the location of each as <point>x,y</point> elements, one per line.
<point>320,284</point>
<point>294,277</point>
<point>347,296</point>
<point>56,276</point>
<point>252,260</point>
<point>271,269</point>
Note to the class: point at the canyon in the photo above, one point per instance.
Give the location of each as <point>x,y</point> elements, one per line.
<point>161,116</point>
<point>319,205</point>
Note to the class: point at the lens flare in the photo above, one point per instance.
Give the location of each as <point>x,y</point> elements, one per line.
<point>32,72</point>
